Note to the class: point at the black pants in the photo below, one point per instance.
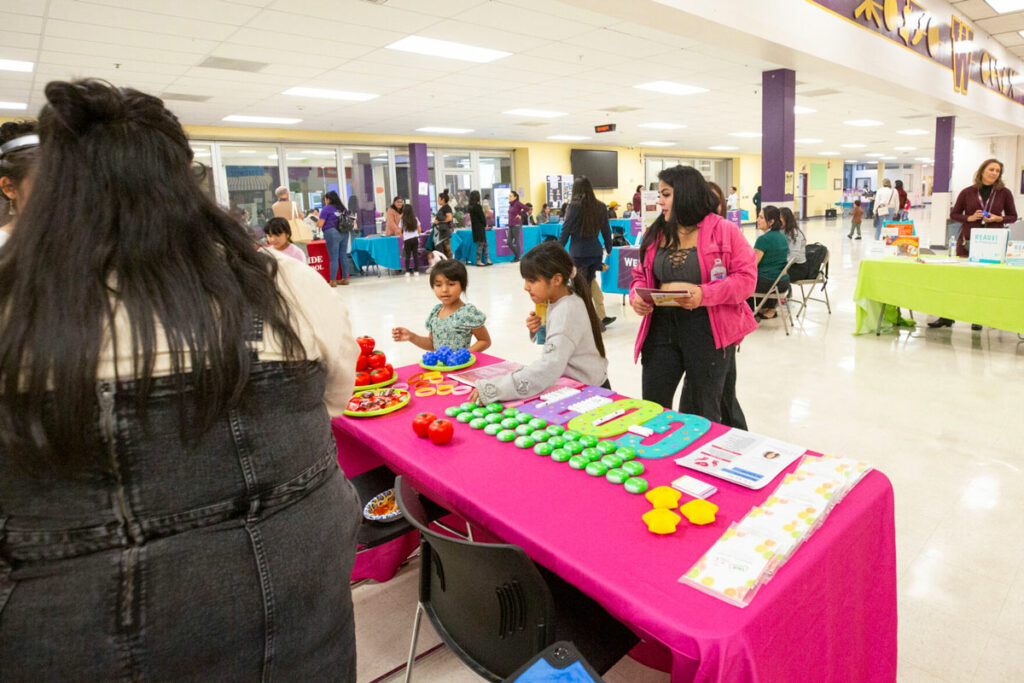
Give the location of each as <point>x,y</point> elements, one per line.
<point>763,285</point>
<point>732,413</point>
<point>411,251</point>
<point>798,271</point>
<point>680,343</point>
<point>482,256</point>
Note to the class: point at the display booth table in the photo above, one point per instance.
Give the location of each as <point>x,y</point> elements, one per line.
<point>619,276</point>
<point>464,248</point>
<point>990,295</point>
<point>828,615</point>
<point>384,251</point>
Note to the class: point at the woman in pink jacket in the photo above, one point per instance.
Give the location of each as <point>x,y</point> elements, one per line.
<point>693,251</point>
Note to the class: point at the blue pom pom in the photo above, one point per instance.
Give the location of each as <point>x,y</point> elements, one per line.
<point>429,358</point>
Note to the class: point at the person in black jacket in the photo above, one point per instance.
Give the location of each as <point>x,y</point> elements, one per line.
<point>479,223</point>
<point>586,219</point>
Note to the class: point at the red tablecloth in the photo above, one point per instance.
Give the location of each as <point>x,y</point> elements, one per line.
<point>828,615</point>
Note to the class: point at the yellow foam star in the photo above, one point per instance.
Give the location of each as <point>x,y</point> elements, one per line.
<point>661,521</point>
<point>664,497</point>
<point>699,511</point>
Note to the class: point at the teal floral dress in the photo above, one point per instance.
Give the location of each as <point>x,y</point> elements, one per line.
<point>455,331</point>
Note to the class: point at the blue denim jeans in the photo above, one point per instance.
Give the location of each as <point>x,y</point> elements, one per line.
<point>220,556</point>
<point>337,252</point>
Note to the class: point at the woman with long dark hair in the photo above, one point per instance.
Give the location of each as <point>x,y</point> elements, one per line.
<point>443,225</point>
<point>517,212</point>
<point>332,215</point>
<point>172,506</point>
<point>478,221</point>
<point>586,223</point>
<point>410,230</point>
<point>771,251</point>
<point>393,221</point>
<point>693,251</point>
<point>19,145</point>
<point>797,242</point>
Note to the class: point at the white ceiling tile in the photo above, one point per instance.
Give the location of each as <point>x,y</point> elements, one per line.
<point>519,20</point>
<point>575,54</point>
<point>22,23</point>
<point>566,12</point>
<point>201,10</point>
<point>87,14</point>
<point>117,35</point>
<point>87,61</point>
<point>294,46</point>
<point>284,58</point>
<point>484,36</point>
<point>344,16</point>
<point>385,72</point>
<point>620,44</point>
<point>12,7</point>
<point>314,29</point>
<point>18,46</point>
<point>1002,23</point>
<point>448,8</point>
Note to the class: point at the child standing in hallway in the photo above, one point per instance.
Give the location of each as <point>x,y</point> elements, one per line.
<point>856,218</point>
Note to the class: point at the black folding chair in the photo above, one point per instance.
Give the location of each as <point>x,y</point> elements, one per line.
<point>495,609</point>
<point>775,293</point>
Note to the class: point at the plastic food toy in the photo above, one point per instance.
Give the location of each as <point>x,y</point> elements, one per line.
<point>510,412</point>
<point>446,358</point>
<point>452,411</point>
<point>588,440</point>
<point>492,429</point>
<point>571,435</point>
<point>560,455</point>
<point>376,402</point>
<point>362,378</point>
<point>506,435</point>
<point>625,452</point>
<point>480,412</point>
<point>615,418</point>
<point>524,442</point>
<point>574,447</point>
<point>664,497</point>
<point>699,512</point>
<point>539,435</point>
<point>372,367</point>
<point>361,362</point>
<point>377,360</point>
<point>542,449</point>
<point>421,422</point>
<point>636,485</point>
<point>366,345</point>
<point>692,427</point>
<point>616,476</point>
<point>661,521</point>
<point>477,423</point>
<point>578,462</point>
<point>464,417</point>
<point>522,418</point>
<point>634,468</point>
<point>597,469</point>
<point>440,431</point>
<point>379,376</point>
<point>468,406</point>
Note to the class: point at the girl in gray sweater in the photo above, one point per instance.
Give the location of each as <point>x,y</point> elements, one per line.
<point>573,345</point>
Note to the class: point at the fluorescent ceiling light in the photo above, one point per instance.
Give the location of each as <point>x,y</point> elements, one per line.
<point>797,109</point>
<point>828,154</point>
<point>442,129</point>
<point>535,113</point>
<point>863,123</point>
<point>874,154</point>
<point>808,141</point>
<point>13,105</point>
<point>1004,6</point>
<point>568,138</point>
<point>852,161</point>
<point>655,143</point>
<point>886,158</point>
<point>723,148</point>
<point>853,145</point>
<point>927,160</point>
<point>913,131</point>
<point>446,49</point>
<point>15,65</point>
<point>745,134</point>
<point>661,126</point>
<point>239,118</point>
<point>671,88</point>
<point>331,94</point>
<point>904,148</point>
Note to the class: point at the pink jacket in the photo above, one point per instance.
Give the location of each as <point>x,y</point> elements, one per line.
<point>731,319</point>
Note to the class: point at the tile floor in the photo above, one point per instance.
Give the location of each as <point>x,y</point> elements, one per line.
<point>938,411</point>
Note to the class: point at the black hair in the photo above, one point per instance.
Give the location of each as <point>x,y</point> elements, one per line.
<point>474,198</point>
<point>692,200</point>
<point>550,258</point>
<point>331,197</point>
<point>278,226</point>
<point>722,206</point>
<point>772,216</point>
<point>445,196</point>
<point>451,269</point>
<point>857,202</point>
<point>16,164</point>
<point>594,213</point>
<point>639,188</point>
<point>395,200</point>
<point>173,259</point>
<point>408,218</point>
<point>513,192</point>
<point>789,225</point>
<point>899,184</point>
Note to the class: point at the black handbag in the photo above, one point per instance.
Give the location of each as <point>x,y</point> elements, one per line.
<point>346,222</point>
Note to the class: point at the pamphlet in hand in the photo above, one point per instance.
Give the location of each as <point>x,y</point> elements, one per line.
<point>662,297</point>
<point>747,459</point>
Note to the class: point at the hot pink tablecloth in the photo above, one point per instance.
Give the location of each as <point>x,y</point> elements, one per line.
<point>828,615</point>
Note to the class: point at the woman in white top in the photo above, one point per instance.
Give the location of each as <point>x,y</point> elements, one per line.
<point>797,245</point>
<point>886,201</point>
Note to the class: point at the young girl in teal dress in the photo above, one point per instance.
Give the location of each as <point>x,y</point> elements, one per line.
<point>453,322</point>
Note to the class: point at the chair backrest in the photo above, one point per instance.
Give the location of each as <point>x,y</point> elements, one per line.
<point>781,275</point>
<point>487,601</point>
<point>817,261</point>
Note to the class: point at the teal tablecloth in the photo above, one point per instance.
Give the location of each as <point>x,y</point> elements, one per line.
<point>464,249</point>
<point>617,278</point>
<point>381,250</point>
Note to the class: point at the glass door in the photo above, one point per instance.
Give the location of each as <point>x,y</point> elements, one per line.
<point>370,180</point>
<point>253,174</point>
<point>311,173</point>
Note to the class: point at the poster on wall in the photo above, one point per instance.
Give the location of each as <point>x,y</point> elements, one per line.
<point>649,210</point>
<point>501,197</point>
<point>559,190</point>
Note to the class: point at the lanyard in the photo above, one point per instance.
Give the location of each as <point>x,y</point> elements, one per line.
<point>985,206</point>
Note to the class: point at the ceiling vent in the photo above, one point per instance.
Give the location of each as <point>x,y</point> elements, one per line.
<point>621,109</point>
<point>233,64</point>
<point>182,97</point>
<point>820,92</point>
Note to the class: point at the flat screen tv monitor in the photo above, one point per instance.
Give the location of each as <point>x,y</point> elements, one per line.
<point>601,167</point>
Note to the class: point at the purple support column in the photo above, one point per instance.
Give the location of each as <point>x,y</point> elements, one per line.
<point>419,172</point>
<point>944,127</point>
<point>778,130</point>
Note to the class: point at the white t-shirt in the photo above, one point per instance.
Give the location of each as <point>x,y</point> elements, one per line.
<point>885,201</point>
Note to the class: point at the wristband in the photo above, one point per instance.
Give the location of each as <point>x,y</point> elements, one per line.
<point>423,392</point>
<point>461,389</point>
<point>444,389</point>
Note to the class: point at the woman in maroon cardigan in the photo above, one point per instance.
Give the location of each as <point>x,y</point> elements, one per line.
<point>988,203</point>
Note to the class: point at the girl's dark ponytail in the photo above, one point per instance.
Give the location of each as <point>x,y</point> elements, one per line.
<point>578,285</point>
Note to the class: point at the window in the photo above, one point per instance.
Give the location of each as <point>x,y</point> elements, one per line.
<point>311,173</point>
<point>252,175</point>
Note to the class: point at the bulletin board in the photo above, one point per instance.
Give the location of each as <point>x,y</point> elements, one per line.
<point>819,177</point>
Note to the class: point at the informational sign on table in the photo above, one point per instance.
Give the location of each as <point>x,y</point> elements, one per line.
<point>559,190</point>
<point>501,202</point>
<point>649,209</point>
<point>628,258</point>
<point>988,245</point>
<point>317,252</point>
<point>743,458</point>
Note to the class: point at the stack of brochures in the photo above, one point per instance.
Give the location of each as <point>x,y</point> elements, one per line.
<point>750,551</point>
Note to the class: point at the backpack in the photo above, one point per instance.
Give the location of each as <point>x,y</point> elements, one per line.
<point>619,240</point>
<point>816,254</point>
<point>346,222</point>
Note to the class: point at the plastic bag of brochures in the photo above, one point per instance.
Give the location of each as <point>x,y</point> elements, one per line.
<point>750,551</point>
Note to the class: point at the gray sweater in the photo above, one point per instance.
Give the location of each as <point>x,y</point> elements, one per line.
<point>569,350</point>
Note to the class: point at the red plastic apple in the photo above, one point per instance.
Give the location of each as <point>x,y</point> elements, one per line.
<point>362,379</point>
<point>377,360</point>
<point>379,375</point>
<point>366,344</point>
<point>440,431</point>
<point>421,423</point>
<point>362,361</point>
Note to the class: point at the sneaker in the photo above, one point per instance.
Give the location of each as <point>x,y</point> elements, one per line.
<point>408,273</point>
<point>976,328</point>
<point>607,321</point>
<point>850,236</point>
<point>416,273</point>
<point>857,237</point>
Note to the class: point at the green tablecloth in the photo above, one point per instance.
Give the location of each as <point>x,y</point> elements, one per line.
<point>991,295</point>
